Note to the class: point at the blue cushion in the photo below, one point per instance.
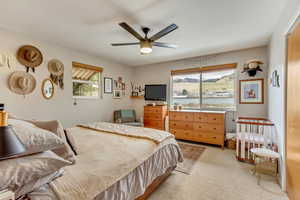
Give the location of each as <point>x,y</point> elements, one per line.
<point>127,114</point>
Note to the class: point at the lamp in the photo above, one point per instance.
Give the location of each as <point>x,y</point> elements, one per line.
<point>10,145</point>
<point>146,47</point>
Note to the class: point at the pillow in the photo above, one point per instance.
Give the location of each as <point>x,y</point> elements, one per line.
<point>71,141</point>
<point>35,139</point>
<point>56,128</point>
<point>17,172</point>
<point>37,183</point>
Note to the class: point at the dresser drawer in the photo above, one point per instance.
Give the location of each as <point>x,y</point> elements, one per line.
<point>153,116</point>
<point>182,134</point>
<point>154,124</point>
<point>200,117</point>
<point>200,126</point>
<point>181,116</point>
<point>181,125</point>
<point>211,138</point>
<point>215,118</point>
<point>215,128</point>
<point>153,109</point>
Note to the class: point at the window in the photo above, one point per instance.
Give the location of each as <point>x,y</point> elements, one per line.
<point>207,89</point>
<point>86,81</point>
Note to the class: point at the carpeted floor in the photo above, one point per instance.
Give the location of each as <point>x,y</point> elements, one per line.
<point>218,176</point>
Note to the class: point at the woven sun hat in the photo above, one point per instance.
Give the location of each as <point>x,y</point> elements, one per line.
<point>21,82</point>
<point>252,64</point>
<point>29,56</point>
<point>56,67</point>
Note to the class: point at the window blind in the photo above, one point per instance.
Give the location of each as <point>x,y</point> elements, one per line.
<point>83,71</point>
<point>203,69</point>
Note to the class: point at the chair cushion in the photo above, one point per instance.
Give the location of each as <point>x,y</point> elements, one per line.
<point>263,152</point>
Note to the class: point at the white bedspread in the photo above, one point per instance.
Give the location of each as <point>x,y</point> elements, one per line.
<point>103,160</point>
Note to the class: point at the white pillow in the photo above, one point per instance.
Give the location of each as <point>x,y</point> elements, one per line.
<point>56,127</point>
<point>15,173</point>
<point>35,139</point>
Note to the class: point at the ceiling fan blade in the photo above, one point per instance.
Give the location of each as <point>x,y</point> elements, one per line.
<point>160,44</point>
<point>164,32</point>
<point>131,30</point>
<point>125,44</point>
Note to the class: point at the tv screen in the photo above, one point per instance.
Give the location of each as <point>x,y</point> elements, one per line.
<point>156,92</point>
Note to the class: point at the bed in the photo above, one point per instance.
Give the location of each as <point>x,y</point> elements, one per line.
<point>117,166</point>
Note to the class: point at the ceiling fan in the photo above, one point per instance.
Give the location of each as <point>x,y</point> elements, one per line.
<point>145,42</point>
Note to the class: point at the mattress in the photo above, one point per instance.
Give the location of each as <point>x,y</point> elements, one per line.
<point>128,185</point>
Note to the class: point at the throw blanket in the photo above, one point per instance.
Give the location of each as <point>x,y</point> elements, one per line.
<point>129,131</point>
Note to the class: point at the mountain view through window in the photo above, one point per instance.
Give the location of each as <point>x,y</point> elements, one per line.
<point>205,90</point>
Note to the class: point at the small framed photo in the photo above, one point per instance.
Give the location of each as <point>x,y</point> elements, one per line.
<point>117,94</point>
<point>108,85</point>
<point>252,91</point>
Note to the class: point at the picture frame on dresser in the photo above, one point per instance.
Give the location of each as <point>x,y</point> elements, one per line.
<point>251,91</point>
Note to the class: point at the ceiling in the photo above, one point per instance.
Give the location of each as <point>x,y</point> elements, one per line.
<point>205,26</point>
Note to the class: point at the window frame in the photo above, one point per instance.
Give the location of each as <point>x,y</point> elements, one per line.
<point>99,71</point>
<point>200,71</point>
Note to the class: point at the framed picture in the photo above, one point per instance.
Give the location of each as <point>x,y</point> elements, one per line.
<point>117,94</point>
<point>252,91</point>
<point>108,85</point>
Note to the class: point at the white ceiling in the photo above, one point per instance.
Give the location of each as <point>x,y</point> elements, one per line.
<point>205,26</point>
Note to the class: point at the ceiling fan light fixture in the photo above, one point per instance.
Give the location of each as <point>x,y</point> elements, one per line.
<point>146,47</point>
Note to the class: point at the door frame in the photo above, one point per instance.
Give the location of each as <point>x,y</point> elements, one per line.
<point>291,28</point>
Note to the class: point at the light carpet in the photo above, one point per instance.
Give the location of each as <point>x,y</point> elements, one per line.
<point>218,176</point>
<point>191,153</point>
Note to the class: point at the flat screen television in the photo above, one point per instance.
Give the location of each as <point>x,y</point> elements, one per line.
<point>156,92</point>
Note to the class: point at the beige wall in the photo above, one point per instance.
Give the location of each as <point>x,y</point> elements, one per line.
<point>61,105</point>
<point>160,74</point>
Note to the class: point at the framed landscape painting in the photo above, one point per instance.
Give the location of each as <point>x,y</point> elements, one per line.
<point>252,91</point>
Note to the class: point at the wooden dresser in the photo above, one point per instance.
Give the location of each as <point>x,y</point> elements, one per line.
<point>154,117</point>
<point>199,126</point>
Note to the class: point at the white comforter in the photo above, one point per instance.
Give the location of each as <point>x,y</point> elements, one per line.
<point>105,159</point>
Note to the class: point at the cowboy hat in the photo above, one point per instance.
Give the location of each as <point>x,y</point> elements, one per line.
<point>29,56</point>
<point>252,64</point>
<point>21,82</point>
<point>56,67</point>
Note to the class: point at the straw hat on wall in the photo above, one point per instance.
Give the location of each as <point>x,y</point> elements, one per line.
<point>30,56</point>
<point>21,83</point>
<point>56,67</point>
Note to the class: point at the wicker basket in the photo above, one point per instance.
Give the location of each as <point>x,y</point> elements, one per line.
<point>231,143</point>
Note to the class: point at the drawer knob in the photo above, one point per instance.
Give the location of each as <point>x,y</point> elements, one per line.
<point>215,118</point>
<point>215,128</point>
